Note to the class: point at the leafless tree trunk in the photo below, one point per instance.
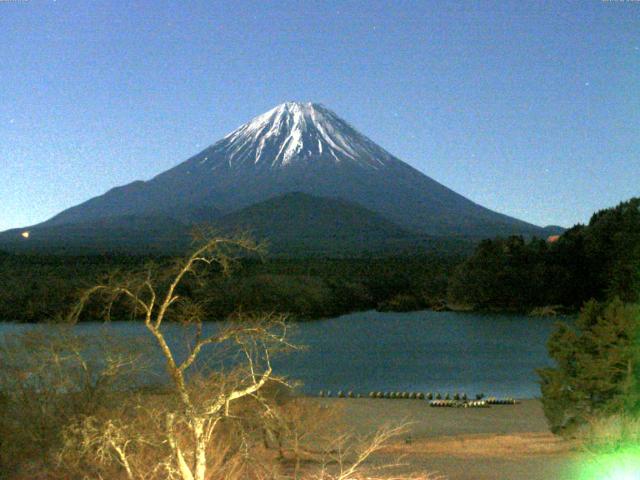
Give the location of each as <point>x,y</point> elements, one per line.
<point>255,337</point>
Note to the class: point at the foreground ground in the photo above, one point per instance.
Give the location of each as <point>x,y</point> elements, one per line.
<point>497,443</point>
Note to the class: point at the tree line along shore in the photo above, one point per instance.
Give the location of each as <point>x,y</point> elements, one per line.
<point>600,260</point>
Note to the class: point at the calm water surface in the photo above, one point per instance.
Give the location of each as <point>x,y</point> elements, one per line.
<point>425,351</point>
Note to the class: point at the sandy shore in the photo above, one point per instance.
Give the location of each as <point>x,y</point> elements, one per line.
<point>499,443</point>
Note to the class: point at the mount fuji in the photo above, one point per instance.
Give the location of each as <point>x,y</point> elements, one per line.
<point>301,148</point>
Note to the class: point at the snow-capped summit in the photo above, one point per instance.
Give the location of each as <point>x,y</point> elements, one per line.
<point>294,132</point>
<point>297,147</point>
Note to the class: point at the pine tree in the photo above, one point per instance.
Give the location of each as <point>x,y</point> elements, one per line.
<point>598,365</point>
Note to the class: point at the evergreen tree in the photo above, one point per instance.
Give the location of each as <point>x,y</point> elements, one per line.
<point>600,260</point>
<point>598,365</point>
<point>504,273</point>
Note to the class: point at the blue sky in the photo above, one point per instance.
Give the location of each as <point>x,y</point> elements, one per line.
<point>531,108</point>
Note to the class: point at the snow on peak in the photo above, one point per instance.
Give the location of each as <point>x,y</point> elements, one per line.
<point>293,132</point>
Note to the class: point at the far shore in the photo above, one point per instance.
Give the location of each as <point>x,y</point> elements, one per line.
<point>545,311</point>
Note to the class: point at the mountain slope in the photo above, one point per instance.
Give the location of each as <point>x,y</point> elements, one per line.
<point>297,215</point>
<point>134,234</point>
<point>295,147</point>
<point>293,224</point>
<point>297,223</point>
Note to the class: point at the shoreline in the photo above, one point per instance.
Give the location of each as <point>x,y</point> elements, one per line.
<point>534,312</point>
<point>509,442</point>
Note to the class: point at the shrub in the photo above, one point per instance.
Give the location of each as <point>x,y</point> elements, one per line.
<point>597,366</point>
<point>610,433</point>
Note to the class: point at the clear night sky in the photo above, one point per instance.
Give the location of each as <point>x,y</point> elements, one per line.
<point>530,108</point>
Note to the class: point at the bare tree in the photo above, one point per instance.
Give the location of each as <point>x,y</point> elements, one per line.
<point>48,377</point>
<point>206,424</point>
<point>190,428</point>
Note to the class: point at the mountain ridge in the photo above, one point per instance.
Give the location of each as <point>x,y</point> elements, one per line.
<point>298,147</point>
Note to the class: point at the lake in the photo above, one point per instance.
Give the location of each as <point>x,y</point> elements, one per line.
<point>422,351</point>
